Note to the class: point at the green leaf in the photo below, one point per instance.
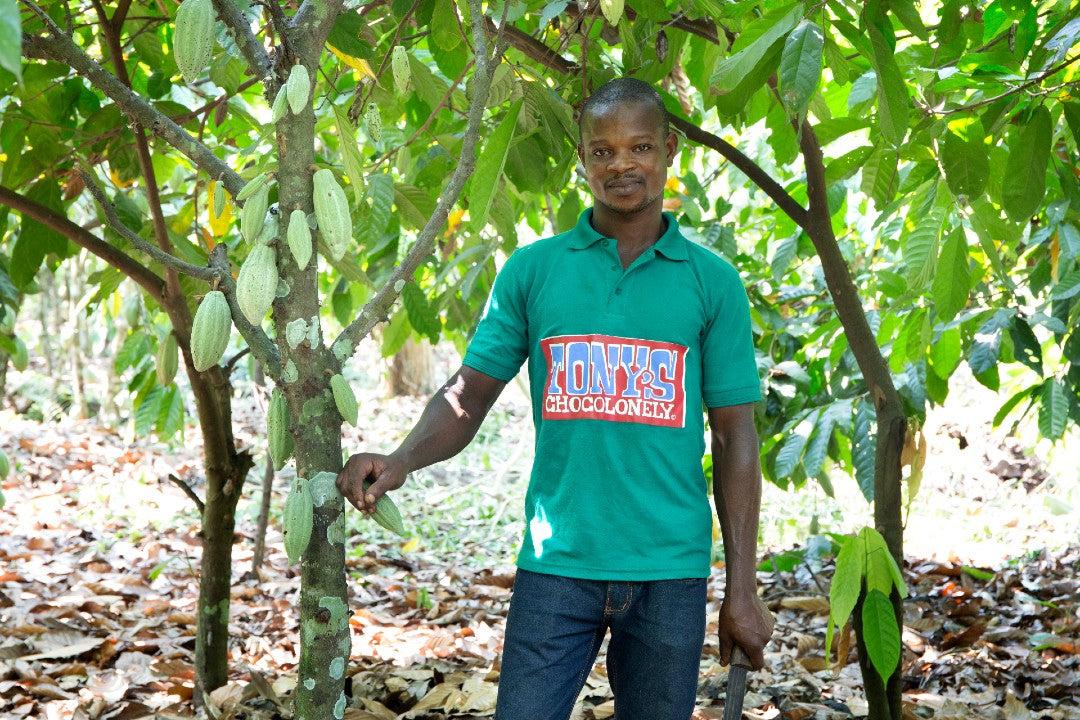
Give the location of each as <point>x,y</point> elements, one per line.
<point>1072,118</point>
<point>765,32</point>
<point>952,279</point>
<point>395,334</point>
<point>1029,154</point>
<point>800,66</point>
<point>984,352</point>
<point>1026,346</point>
<point>350,152</point>
<point>489,167</point>
<point>11,38</point>
<point>1067,286</point>
<point>422,315</point>
<point>892,93</point>
<point>881,633</point>
<point>147,410</point>
<point>864,448</point>
<point>945,353</point>
<point>1011,403</point>
<point>791,451</point>
<point>847,164</point>
<point>847,579</point>
<point>818,447</point>
<point>1053,409</point>
<point>445,30</point>
<point>345,35</point>
<point>966,164</point>
<point>882,573</point>
<point>880,176</point>
<point>908,15</point>
<point>171,415</point>
<point>919,249</point>
<point>136,346</point>
<point>36,241</point>
<point>414,205</point>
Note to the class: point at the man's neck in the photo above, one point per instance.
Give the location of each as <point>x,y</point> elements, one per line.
<point>632,232</point>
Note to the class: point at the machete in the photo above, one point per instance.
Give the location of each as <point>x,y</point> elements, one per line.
<point>736,684</point>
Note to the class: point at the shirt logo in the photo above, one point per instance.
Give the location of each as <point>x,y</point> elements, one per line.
<point>601,377</point>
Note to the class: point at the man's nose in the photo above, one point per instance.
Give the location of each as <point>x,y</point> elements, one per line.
<point>621,162</point>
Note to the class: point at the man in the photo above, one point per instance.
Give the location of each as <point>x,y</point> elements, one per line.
<point>627,327</point>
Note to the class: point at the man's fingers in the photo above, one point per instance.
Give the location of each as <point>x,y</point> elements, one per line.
<point>383,482</point>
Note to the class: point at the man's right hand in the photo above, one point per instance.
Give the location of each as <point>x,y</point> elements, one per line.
<point>367,476</point>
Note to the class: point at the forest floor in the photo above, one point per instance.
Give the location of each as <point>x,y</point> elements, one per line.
<point>99,557</point>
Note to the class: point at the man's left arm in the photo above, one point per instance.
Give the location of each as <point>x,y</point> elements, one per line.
<point>744,620</point>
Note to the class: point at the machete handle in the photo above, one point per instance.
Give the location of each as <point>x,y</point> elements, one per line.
<point>740,659</point>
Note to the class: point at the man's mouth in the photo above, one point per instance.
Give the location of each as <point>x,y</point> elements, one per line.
<point>623,183</point>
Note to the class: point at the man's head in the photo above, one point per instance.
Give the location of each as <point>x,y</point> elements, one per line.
<point>626,146</point>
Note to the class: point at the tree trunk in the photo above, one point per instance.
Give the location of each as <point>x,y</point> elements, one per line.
<point>412,370</point>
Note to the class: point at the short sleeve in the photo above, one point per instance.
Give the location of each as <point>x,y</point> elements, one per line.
<point>501,342</point>
<point>729,366</point>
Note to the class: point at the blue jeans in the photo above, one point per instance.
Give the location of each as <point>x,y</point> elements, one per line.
<point>554,631</point>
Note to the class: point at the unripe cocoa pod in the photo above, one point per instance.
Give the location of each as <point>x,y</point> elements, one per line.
<point>210,330</point>
<point>219,199</point>
<point>332,213</point>
<point>399,61</point>
<point>344,399</point>
<point>251,187</point>
<point>253,215</point>
<point>297,520</point>
<point>256,285</point>
<point>5,466</point>
<point>299,88</point>
<point>299,237</point>
<point>193,37</point>
<point>281,104</point>
<point>387,514</point>
<point>277,430</point>
<point>373,122</point>
<point>167,360</point>
<point>20,358</point>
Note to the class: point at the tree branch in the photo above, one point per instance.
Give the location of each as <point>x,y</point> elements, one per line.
<point>59,47</point>
<point>1018,89</point>
<point>137,241</point>
<point>132,268</point>
<point>376,309</point>
<point>253,51</point>
<point>313,22</point>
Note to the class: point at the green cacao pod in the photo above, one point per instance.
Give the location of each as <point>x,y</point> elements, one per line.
<point>251,187</point>
<point>297,520</point>
<point>345,399</point>
<point>281,104</point>
<point>332,213</point>
<point>299,236</point>
<point>277,430</point>
<point>253,215</point>
<point>5,466</point>
<point>210,330</point>
<point>193,37</point>
<point>373,122</point>
<point>167,359</point>
<point>256,285</point>
<point>387,514</point>
<point>298,87</point>
<point>399,61</point>
<point>219,199</point>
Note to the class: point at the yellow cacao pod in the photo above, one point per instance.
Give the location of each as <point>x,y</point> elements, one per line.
<point>299,237</point>
<point>297,520</point>
<point>332,213</point>
<point>256,285</point>
<point>167,359</point>
<point>251,187</point>
<point>298,87</point>
<point>253,214</point>
<point>344,399</point>
<point>277,430</point>
<point>210,330</point>
<point>193,37</point>
<point>399,61</point>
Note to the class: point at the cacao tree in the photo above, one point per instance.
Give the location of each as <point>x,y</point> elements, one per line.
<point>855,160</point>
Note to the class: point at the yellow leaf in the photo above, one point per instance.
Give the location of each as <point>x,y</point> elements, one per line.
<point>354,62</point>
<point>219,224</point>
<point>410,545</point>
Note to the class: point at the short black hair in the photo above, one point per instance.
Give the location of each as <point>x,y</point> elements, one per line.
<point>625,90</point>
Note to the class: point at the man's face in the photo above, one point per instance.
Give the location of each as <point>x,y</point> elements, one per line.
<point>626,156</point>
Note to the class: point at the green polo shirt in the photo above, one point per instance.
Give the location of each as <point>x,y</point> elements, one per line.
<point>619,365</point>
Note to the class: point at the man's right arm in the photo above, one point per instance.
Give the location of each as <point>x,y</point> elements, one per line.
<point>447,425</point>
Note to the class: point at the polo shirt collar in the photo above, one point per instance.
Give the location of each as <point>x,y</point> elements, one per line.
<point>670,244</point>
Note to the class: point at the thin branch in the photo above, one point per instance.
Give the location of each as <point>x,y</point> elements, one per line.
<point>189,492</point>
<point>1018,89</point>
<point>59,47</point>
<point>143,276</point>
<point>253,51</point>
<point>376,310</point>
<point>136,240</point>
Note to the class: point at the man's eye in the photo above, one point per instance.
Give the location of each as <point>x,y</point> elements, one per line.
<point>600,153</point>
<point>643,148</point>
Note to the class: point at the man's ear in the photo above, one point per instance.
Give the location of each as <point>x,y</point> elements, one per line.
<point>672,144</point>
<point>581,153</point>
